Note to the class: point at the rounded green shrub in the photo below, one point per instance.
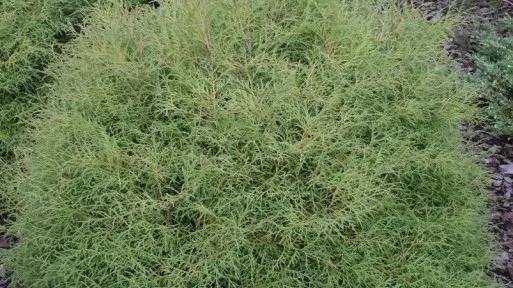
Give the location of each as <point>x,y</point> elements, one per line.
<point>252,144</point>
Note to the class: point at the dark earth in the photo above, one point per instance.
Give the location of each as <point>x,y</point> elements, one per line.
<point>5,243</point>
<point>495,151</point>
<point>498,150</point>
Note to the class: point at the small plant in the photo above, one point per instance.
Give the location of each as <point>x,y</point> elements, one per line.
<point>252,144</point>
<point>495,60</point>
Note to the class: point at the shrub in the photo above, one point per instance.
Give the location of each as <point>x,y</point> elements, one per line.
<point>31,31</point>
<point>269,144</point>
<point>495,60</point>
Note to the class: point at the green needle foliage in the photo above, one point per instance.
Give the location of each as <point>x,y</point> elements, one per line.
<point>495,59</point>
<point>31,33</point>
<point>252,144</point>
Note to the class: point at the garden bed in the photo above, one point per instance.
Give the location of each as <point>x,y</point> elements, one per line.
<point>215,145</point>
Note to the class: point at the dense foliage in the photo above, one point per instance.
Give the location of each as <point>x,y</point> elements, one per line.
<point>30,31</point>
<point>495,60</point>
<point>251,144</point>
<point>31,35</point>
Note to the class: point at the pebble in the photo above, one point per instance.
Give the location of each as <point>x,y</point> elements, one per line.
<point>506,169</point>
<point>482,4</point>
<point>497,183</point>
<point>508,193</point>
<point>505,256</point>
<point>490,161</point>
<point>494,149</point>
<point>510,269</point>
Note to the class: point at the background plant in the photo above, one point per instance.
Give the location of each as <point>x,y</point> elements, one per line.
<point>495,60</point>
<point>252,144</point>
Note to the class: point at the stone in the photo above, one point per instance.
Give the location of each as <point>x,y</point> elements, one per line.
<point>506,169</point>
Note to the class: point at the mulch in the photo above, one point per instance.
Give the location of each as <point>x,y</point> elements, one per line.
<point>6,242</point>
<point>496,151</point>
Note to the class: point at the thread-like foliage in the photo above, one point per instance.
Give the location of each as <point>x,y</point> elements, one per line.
<point>31,34</point>
<point>252,144</point>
